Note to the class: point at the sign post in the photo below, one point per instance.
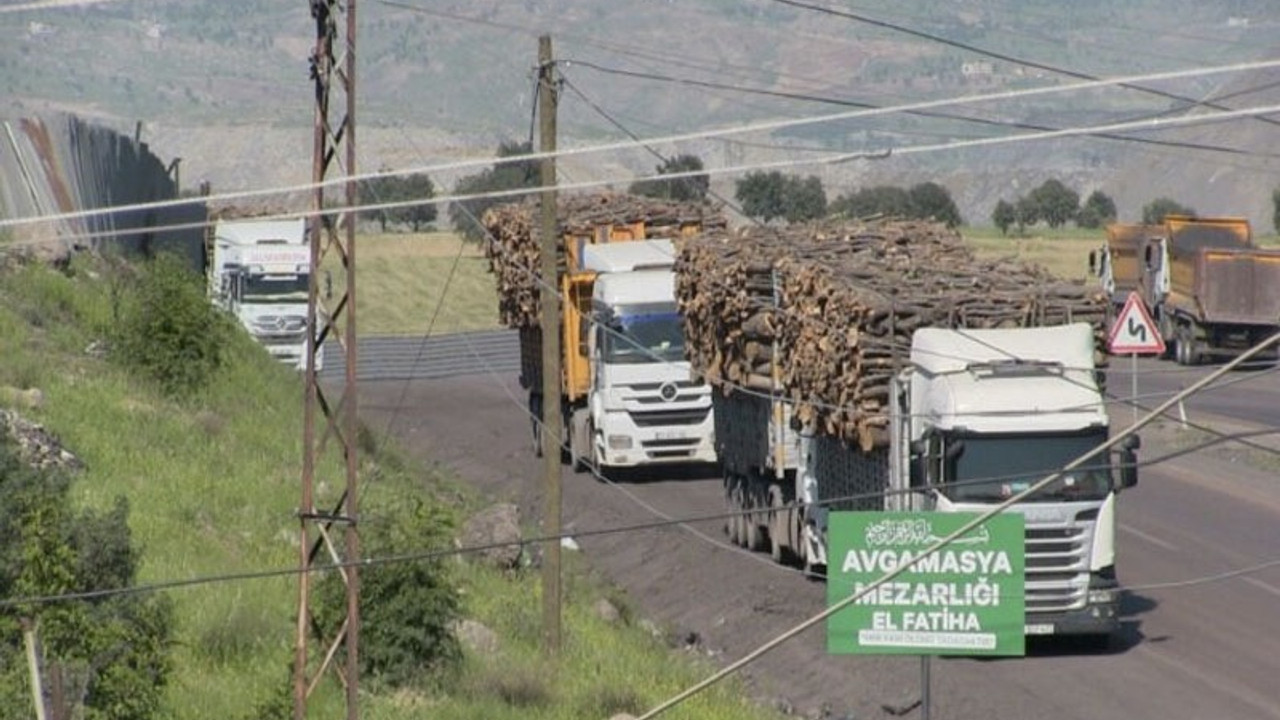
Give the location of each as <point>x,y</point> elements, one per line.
<point>1135,333</point>
<point>964,599</point>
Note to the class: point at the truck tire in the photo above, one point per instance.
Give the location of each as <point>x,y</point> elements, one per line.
<point>580,440</point>
<point>756,538</point>
<point>733,524</point>
<point>780,533</point>
<point>535,419</point>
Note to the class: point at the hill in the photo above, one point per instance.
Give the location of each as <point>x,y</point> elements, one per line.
<point>224,85</point>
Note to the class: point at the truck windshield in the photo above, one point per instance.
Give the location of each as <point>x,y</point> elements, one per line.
<point>276,288</point>
<point>644,337</point>
<point>990,468</point>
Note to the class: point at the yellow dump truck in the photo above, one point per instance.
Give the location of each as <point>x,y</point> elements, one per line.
<point>1212,291</point>
<point>1118,263</point>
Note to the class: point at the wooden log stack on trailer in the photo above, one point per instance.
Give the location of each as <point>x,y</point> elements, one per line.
<point>825,313</point>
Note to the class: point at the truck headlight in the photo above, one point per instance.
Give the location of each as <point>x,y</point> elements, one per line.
<point>619,442</point>
<point>1102,597</point>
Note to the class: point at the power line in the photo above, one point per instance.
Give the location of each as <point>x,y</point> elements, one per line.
<point>1000,56</point>
<point>754,127</point>
<point>936,546</point>
<point>665,521</point>
<point>827,100</point>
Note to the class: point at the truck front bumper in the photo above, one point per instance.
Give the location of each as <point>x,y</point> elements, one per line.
<point>626,444</point>
<point>1099,616</point>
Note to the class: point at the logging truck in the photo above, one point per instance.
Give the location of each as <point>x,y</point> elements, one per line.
<point>625,393</point>
<point>1211,290</point>
<point>919,413</point>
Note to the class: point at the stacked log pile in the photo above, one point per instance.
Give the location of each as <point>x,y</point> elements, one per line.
<point>513,248</point>
<point>839,304</point>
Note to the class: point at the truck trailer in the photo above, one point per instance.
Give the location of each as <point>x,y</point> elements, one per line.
<point>260,272</point>
<point>626,397</point>
<point>963,418</point>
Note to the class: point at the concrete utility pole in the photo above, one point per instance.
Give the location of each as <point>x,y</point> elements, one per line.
<point>333,66</point>
<point>552,425</point>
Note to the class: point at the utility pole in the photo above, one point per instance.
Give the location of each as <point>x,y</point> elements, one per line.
<point>548,291</point>
<point>333,64</point>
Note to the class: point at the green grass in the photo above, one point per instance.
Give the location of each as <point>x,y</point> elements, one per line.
<point>1064,252</point>
<point>213,484</point>
<point>402,278</point>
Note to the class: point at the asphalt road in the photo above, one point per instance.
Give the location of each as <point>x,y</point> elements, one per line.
<point>1205,650</point>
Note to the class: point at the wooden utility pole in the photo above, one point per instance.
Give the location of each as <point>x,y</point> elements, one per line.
<point>552,425</point>
<point>333,65</point>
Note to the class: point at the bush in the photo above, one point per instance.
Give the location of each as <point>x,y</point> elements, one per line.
<point>113,652</point>
<point>406,608</point>
<point>168,332</point>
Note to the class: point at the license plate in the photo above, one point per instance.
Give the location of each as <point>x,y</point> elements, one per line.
<point>1043,629</point>
<point>670,435</point>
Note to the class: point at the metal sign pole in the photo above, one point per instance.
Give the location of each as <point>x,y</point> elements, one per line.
<point>926,662</point>
<point>1133,367</point>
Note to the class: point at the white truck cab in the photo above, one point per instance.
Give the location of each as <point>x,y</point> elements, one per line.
<point>988,413</point>
<point>643,408</point>
<point>260,272</point>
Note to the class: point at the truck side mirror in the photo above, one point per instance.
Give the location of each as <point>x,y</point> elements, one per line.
<point>1093,262</point>
<point>919,465</point>
<point>1128,468</point>
<point>328,285</point>
<point>1131,442</point>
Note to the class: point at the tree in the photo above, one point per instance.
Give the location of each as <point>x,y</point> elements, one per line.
<point>803,199</point>
<point>1056,204</point>
<point>929,200</point>
<point>511,172</point>
<point>1153,213</point>
<point>1026,212</point>
<point>417,186</point>
<point>407,608</point>
<point>1097,210</point>
<point>689,189</point>
<point>168,331</point>
<point>399,188</point>
<point>761,195</point>
<point>113,651</point>
<point>1004,215</point>
<point>887,200</point>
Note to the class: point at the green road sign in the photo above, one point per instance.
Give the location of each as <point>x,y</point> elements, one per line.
<point>965,599</point>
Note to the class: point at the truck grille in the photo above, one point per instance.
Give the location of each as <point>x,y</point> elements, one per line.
<point>658,418</point>
<point>670,449</point>
<point>1057,568</point>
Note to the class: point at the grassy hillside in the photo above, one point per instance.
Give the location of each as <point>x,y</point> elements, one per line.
<point>407,281</point>
<point>213,483</point>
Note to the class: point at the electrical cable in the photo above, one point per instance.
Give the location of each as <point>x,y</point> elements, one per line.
<point>753,127</point>
<point>934,547</point>
<point>1183,145</point>
<point>835,158</point>
<point>999,56</point>
<point>665,521</point>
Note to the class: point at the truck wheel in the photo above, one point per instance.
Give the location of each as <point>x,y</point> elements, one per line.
<point>580,440</point>
<point>1180,347</point>
<point>756,538</point>
<point>535,419</point>
<point>779,528</point>
<point>733,524</point>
